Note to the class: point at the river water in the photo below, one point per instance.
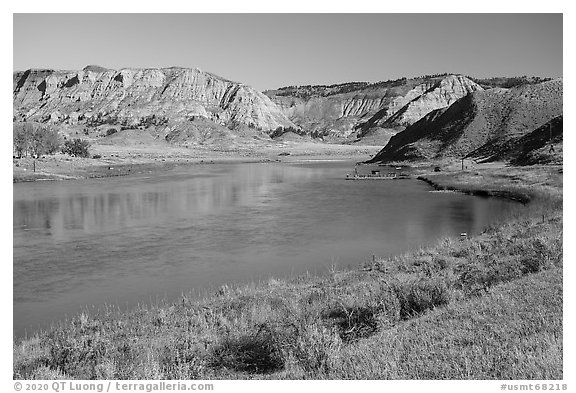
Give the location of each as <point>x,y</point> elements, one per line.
<point>140,238</point>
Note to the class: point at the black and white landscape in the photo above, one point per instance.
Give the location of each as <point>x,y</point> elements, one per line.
<point>359,207</point>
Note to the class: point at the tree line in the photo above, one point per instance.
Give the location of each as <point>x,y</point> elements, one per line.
<point>36,140</point>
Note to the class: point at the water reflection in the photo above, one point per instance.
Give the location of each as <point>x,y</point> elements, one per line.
<point>92,210</point>
<point>126,240</point>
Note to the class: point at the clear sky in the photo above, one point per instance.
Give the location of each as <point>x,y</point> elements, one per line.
<point>272,50</point>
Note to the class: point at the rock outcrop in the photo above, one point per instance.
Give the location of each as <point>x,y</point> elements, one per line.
<point>356,110</point>
<point>486,125</point>
<point>425,117</point>
<point>427,97</point>
<point>96,95</point>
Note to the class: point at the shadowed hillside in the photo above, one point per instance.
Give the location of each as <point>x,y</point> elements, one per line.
<point>485,125</point>
<point>541,146</point>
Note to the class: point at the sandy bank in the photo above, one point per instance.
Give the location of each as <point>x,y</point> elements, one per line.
<point>113,160</point>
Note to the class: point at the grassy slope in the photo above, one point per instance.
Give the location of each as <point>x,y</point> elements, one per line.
<point>514,331</point>
<point>487,307</point>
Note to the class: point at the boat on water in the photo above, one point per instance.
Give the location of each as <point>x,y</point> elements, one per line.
<point>378,175</point>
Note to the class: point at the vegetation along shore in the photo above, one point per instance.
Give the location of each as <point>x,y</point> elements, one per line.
<point>484,307</point>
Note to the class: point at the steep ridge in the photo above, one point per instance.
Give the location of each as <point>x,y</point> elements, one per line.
<point>356,110</point>
<point>96,95</point>
<point>440,95</point>
<point>486,125</point>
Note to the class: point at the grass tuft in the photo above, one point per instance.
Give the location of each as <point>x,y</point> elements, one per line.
<point>255,353</point>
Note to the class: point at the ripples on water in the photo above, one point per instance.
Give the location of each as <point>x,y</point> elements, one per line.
<point>137,238</point>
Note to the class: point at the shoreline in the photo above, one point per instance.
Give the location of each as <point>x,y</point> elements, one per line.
<point>516,196</point>
<point>335,319</point>
<point>117,161</point>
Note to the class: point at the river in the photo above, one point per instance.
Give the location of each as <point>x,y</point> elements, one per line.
<point>141,238</point>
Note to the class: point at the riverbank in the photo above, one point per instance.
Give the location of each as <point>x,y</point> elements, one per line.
<point>520,184</point>
<point>488,307</point>
<point>117,160</point>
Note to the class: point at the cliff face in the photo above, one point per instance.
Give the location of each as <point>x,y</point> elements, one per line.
<point>427,97</point>
<point>354,114</point>
<point>130,96</point>
<point>485,125</point>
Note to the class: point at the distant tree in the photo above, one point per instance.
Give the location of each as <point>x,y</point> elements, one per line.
<point>35,139</point>
<point>48,141</point>
<point>21,139</point>
<point>508,82</point>
<point>77,148</point>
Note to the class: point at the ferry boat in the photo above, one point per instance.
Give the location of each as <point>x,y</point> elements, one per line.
<point>378,175</point>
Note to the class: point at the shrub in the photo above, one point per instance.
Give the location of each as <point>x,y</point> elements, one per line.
<point>111,131</point>
<point>313,348</point>
<point>475,278</point>
<point>354,323</point>
<point>254,352</point>
<point>421,295</point>
<point>76,354</point>
<point>77,148</point>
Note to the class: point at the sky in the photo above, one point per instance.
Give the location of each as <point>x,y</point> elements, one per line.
<point>267,51</point>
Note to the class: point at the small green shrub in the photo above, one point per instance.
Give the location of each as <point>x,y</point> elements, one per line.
<point>419,295</point>
<point>256,353</point>
<point>312,348</point>
<point>354,323</point>
<point>475,278</point>
<point>76,148</point>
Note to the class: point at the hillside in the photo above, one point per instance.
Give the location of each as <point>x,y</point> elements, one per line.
<point>189,107</point>
<point>355,110</point>
<point>168,98</point>
<point>429,96</point>
<point>486,125</point>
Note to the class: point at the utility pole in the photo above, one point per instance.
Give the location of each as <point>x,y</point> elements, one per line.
<point>551,145</point>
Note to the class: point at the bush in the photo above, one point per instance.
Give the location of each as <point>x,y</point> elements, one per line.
<point>313,348</point>
<point>420,295</point>
<point>77,148</point>
<point>111,131</point>
<point>254,353</point>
